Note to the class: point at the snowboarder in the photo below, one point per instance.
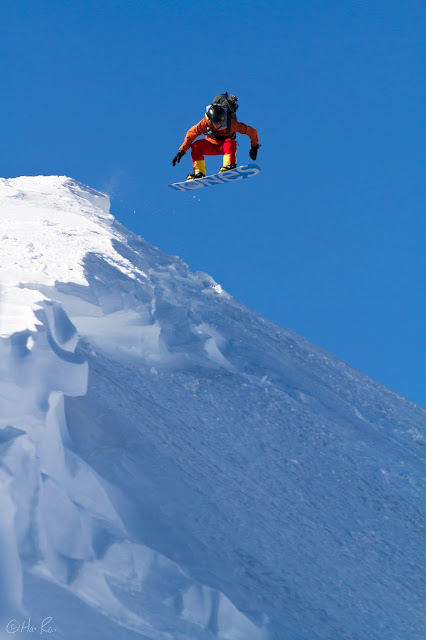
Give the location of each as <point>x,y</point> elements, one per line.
<point>220,127</point>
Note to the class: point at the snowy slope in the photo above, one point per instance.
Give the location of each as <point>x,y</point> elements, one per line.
<point>172,465</point>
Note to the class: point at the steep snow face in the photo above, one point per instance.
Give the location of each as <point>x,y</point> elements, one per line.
<point>60,524</point>
<point>172,465</point>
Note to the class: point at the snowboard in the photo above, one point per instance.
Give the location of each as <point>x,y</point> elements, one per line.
<point>240,173</point>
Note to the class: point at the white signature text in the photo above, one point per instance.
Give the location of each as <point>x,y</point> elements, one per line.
<point>27,626</point>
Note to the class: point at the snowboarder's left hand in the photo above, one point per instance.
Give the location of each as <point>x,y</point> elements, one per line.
<point>177,157</point>
<point>253,152</point>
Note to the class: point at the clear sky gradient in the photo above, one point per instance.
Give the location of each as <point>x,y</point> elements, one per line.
<point>328,239</point>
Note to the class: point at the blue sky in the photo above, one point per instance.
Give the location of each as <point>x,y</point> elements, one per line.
<point>328,239</point>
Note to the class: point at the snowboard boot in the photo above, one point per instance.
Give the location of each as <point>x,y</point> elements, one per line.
<point>196,175</point>
<point>228,167</point>
<point>199,170</point>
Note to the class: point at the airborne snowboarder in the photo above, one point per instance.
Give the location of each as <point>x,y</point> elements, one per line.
<point>220,126</point>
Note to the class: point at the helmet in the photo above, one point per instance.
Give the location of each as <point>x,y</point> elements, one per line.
<point>217,115</point>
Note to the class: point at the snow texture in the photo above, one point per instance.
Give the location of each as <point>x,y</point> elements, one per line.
<point>174,466</point>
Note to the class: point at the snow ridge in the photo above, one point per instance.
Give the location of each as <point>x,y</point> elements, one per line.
<point>172,465</point>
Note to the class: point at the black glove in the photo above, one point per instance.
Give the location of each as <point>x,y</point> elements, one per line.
<point>253,152</point>
<point>178,157</point>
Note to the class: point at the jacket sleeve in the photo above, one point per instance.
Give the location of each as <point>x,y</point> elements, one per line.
<point>240,127</point>
<point>192,133</point>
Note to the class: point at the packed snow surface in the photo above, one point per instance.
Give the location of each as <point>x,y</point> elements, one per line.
<point>175,467</point>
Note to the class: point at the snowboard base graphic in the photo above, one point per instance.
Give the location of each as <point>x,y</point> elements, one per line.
<point>240,173</point>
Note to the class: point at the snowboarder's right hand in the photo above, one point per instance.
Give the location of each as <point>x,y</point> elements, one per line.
<point>177,157</point>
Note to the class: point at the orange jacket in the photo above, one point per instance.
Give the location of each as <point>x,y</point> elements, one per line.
<point>201,128</point>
